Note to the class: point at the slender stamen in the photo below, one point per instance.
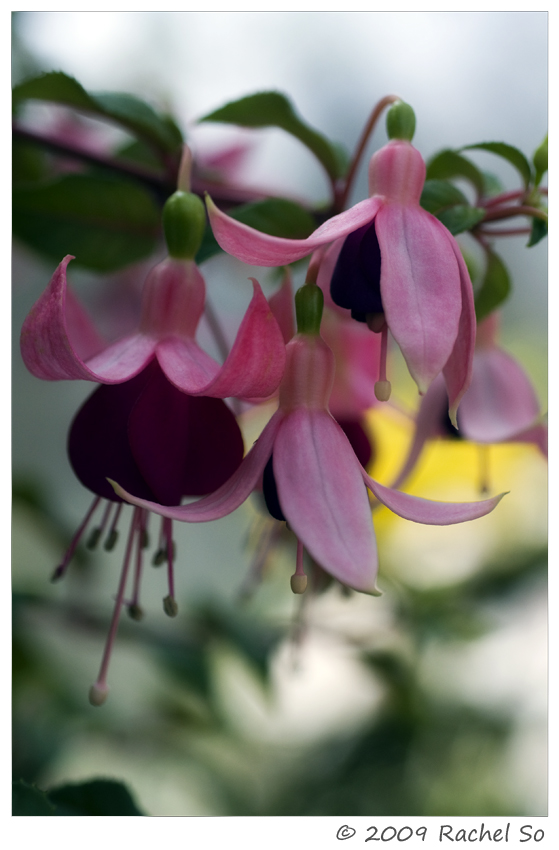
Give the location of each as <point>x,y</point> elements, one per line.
<point>134,609</point>
<point>96,533</point>
<point>267,540</point>
<point>169,603</point>
<point>99,691</point>
<point>383,387</point>
<point>61,569</point>
<point>299,579</point>
<point>161,553</point>
<point>112,536</point>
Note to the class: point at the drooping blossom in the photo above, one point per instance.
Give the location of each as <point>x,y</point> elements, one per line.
<point>500,405</point>
<point>313,473</point>
<point>398,268</point>
<point>158,421</point>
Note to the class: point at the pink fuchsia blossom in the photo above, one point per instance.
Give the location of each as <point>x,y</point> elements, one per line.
<point>500,405</point>
<point>59,342</point>
<point>320,484</point>
<point>398,267</point>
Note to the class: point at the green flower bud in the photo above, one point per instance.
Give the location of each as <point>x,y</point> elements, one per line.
<point>400,121</point>
<point>309,302</point>
<point>184,221</point>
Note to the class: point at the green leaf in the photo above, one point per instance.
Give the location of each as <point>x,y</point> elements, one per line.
<point>461,217</point>
<point>440,194</point>
<point>494,289</point>
<point>130,112</point>
<point>27,800</point>
<point>276,216</point>
<point>99,797</point>
<point>273,109</point>
<point>448,164</point>
<point>539,232</point>
<point>508,152</point>
<point>106,222</point>
<point>540,161</point>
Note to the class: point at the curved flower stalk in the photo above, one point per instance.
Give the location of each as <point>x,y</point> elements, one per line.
<point>398,269</point>
<point>311,466</point>
<point>500,405</point>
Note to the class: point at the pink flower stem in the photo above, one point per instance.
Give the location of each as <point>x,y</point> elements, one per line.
<point>101,681</point>
<point>170,566</point>
<point>510,231</point>
<point>341,198</point>
<point>61,570</point>
<point>139,560</point>
<point>511,212</point>
<point>112,536</point>
<point>383,353</point>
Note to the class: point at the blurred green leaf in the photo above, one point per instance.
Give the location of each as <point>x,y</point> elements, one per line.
<point>448,164</point>
<point>440,194</point>
<point>276,216</point>
<point>99,797</point>
<point>540,161</point>
<point>106,222</point>
<point>508,152</point>
<point>539,232</point>
<point>495,287</point>
<point>461,217</point>
<point>273,109</point>
<point>27,800</point>
<point>128,111</point>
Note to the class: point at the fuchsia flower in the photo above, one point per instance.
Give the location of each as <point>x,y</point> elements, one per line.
<point>398,267</point>
<point>158,422</point>
<point>500,405</point>
<point>311,475</point>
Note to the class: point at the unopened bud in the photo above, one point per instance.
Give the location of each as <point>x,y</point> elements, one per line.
<point>400,121</point>
<point>298,583</point>
<point>170,606</point>
<point>98,694</point>
<point>184,222</point>
<point>135,612</point>
<point>383,390</point>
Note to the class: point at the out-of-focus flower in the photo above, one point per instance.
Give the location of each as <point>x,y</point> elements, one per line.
<point>311,476</point>
<point>500,405</point>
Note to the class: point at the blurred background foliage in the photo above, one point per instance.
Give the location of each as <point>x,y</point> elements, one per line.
<point>428,701</point>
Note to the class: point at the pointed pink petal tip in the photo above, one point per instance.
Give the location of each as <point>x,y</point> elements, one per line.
<point>260,249</point>
<point>429,512</point>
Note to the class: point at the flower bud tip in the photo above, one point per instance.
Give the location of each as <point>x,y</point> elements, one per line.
<point>298,583</point>
<point>98,694</point>
<point>170,606</point>
<point>383,390</point>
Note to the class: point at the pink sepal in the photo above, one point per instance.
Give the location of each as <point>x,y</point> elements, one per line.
<point>458,369</point>
<point>322,496</point>
<point>427,511</point>
<point>260,249</point>
<point>57,331</point>
<point>420,288</point>
<point>230,495</point>
<point>500,401</point>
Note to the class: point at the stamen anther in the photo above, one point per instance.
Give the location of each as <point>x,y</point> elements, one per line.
<point>170,606</point>
<point>98,693</point>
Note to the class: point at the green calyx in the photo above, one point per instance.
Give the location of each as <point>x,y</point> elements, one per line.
<point>309,302</point>
<point>400,121</point>
<point>184,221</point>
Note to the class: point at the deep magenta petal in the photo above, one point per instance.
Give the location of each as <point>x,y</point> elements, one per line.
<point>230,495</point>
<point>260,249</point>
<point>355,283</point>
<point>183,446</point>
<point>322,495</point>
<point>98,444</point>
